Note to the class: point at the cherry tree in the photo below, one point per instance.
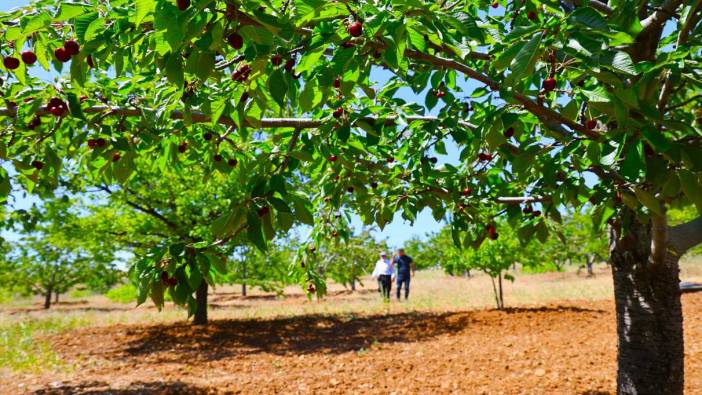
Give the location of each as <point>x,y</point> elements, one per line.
<point>565,91</point>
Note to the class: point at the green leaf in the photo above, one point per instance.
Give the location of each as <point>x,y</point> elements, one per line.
<point>648,200</point>
<point>310,60</point>
<point>691,187</point>
<point>523,63</point>
<point>70,10</point>
<point>143,8</point>
<point>587,16</point>
<point>278,87</point>
<point>254,231</point>
<point>174,70</point>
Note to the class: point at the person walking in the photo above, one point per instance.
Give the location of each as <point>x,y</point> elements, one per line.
<point>405,269</point>
<point>384,272</point>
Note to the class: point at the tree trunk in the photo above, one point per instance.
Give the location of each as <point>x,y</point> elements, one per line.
<point>200,317</point>
<point>649,314</point>
<point>47,299</point>
<point>353,284</point>
<point>502,298</point>
<point>244,278</point>
<point>56,297</point>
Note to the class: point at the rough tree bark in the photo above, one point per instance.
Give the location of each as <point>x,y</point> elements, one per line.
<point>645,266</point>
<point>200,317</point>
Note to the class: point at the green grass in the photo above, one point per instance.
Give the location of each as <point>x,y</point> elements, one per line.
<point>22,347</point>
<point>125,293</point>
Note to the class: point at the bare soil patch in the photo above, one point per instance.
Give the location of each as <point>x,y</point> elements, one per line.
<point>567,348</point>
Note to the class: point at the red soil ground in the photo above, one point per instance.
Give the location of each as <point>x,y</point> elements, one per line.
<point>556,349</point>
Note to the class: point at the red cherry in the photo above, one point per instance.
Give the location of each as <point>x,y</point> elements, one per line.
<point>11,63</point>
<point>338,112</point>
<point>56,111</point>
<point>289,64</point>
<point>116,157</point>
<point>72,47</point>
<point>531,15</point>
<point>276,60</point>
<point>491,229</point>
<point>494,236</point>
<point>207,136</point>
<point>101,142</point>
<point>89,59</point>
<point>591,123</point>
<point>34,123</point>
<point>495,5</point>
<point>349,189</point>
<point>182,147</point>
<point>527,209</point>
<point>332,158</point>
<point>92,143</point>
<point>337,83</point>
<point>466,191</point>
<point>310,288</point>
<point>37,164</point>
<point>374,185</point>
<point>356,29</point>
<point>509,133</point>
<point>232,162</point>
<point>334,234</point>
<point>29,57</point>
<point>536,213</point>
<point>235,40</point>
<point>183,4</point>
<point>390,160</point>
<point>549,84</point>
<point>377,54</point>
<point>217,158</point>
<point>62,55</point>
<point>263,211</point>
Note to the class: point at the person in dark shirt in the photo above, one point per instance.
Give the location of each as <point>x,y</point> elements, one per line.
<point>405,269</point>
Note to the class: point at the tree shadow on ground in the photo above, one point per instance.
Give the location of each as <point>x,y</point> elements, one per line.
<point>591,392</point>
<point>298,335</point>
<point>551,309</point>
<point>102,388</point>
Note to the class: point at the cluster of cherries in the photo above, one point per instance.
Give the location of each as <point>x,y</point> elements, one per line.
<point>70,48</point>
<point>168,280</point>
<point>57,107</point>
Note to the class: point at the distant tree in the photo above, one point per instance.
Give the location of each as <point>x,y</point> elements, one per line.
<point>55,251</point>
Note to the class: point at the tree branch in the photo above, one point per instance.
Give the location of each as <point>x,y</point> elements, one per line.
<point>685,236</point>
<point>199,117</point>
<point>549,117</point>
<point>658,18</point>
<point>691,21</point>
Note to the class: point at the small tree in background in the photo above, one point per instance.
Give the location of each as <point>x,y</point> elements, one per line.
<point>56,251</point>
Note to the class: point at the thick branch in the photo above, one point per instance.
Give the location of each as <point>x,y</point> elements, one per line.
<point>198,117</point>
<point>685,236</point>
<point>658,18</point>
<point>659,236</point>
<point>549,117</point>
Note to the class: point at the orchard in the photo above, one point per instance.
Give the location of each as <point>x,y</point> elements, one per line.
<point>552,106</point>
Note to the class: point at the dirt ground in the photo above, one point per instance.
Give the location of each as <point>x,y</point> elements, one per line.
<point>561,348</point>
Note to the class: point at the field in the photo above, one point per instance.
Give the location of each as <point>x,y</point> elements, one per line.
<point>557,337</point>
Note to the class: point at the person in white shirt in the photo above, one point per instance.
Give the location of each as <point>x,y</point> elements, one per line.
<point>385,273</point>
